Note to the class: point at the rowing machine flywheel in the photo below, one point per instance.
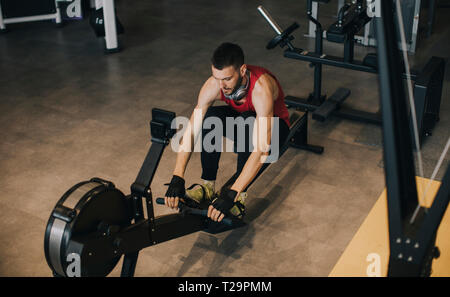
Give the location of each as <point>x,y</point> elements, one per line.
<point>81,226</point>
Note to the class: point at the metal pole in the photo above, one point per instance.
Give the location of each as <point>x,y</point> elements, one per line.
<point>270,20</point>
<point>2,24</point>
<point>110,25</point>
<point>398,156</point>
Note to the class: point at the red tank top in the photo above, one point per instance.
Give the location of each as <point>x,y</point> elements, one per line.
<point>279,108</point>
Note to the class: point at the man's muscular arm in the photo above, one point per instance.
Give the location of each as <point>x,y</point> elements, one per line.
<point>263,101</point>
<point>209,92</point>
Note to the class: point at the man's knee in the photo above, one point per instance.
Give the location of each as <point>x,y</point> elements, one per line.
<point>220,111</point>
<point>211,112</point>
<point>247,130</point>
<point>248,114</point>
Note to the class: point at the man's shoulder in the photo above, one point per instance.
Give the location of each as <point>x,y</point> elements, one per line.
<point>211,89</point>
<point>257,69</point>
<point>265,80</point>
<point>261,72</point>
<point>211,84</point>
<point>266,83</point>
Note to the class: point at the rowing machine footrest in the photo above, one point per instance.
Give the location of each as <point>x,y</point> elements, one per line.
<point>331,104</point>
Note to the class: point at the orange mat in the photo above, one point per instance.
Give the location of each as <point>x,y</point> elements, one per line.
<point>368,252</point>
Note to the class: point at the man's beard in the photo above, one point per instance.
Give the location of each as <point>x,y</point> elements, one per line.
<point>238,84</point>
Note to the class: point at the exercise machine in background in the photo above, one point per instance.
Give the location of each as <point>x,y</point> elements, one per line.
<point>106,24</point>
<point>19,11</point>
<point>412,227</point>
<point>412,17</point>
<point>103,19</point>
<point>351,18</point>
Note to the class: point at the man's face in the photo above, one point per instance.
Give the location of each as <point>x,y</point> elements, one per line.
<point>228,77</point>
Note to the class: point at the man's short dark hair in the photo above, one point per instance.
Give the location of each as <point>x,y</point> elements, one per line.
<point>228,54</point>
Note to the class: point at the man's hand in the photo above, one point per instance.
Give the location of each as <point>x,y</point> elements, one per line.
<point>221,205</point>
<point>175,191</point>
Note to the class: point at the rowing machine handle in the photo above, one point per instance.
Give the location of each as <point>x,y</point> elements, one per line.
<point>196,211</point>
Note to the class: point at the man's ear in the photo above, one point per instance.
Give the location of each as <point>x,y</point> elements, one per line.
<point>243,69</point>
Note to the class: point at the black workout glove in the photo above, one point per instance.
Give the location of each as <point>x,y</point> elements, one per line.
<point>225,201</point>
<point>176,187</point>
